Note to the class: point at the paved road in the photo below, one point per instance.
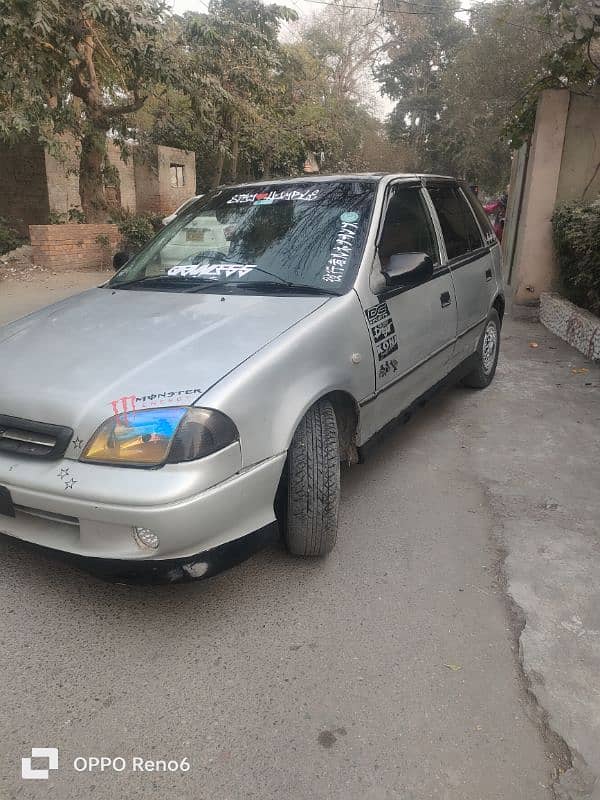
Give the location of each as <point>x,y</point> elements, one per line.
<point>389,670</point>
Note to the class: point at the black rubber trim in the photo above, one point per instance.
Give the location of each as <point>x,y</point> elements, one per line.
<point>157,571</point>
<point>61,433</point>
<point>7,507</point>
<point>462,261</point>
<point>386,294</point>
<point>450,379</point>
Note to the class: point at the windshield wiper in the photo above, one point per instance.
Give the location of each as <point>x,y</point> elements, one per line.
<point>286,286</point>
<point>161,279</point>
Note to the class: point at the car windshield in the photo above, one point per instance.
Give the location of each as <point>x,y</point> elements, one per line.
<point>275,237</point>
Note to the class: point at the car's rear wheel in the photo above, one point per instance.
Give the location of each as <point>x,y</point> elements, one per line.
<point>487,354</point>
<point>313,484</point>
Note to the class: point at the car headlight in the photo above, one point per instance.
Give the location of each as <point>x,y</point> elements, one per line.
<point>156,436</point>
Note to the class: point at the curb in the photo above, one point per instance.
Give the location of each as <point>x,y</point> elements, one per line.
<point>572,324</point>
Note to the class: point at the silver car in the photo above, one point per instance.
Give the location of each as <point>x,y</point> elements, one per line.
<point>161,426</point>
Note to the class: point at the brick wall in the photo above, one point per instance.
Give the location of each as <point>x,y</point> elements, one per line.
<point>172,197</point>
<point>73,246</point>
<point>23,188</point>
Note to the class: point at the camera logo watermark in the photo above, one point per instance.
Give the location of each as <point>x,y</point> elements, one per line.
<point>28,773</point>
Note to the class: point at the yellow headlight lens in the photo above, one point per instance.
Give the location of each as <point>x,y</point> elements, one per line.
<point>138,438</point>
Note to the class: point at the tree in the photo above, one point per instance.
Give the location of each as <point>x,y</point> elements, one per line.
<point>420,46</point>
<point>572,62</point>
<point>490,70</point>
<point>82,67</point>
<point>235,55</point>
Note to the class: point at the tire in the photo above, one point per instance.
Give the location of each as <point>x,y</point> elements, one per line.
<point>487,354</point>
<point>313,484</point>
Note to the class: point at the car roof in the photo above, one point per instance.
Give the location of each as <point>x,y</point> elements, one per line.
<point>347,176</point>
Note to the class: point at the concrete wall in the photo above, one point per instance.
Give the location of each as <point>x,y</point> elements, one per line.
<point>563,164</point>
<point>73,246</point>
<point>534,269</point>
<point>580,168</point>
<point>23,187</point>
<point>147,191</point>
<point>126,176</point>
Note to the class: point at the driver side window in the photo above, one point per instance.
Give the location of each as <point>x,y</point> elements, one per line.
<point>407,227</point>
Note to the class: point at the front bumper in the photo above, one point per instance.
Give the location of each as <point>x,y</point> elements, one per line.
<point>94,519</point>
<point>167,570</point>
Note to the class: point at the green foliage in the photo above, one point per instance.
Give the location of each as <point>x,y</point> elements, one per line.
<point>419,51</point>
<point>491,70</point>
<point>137,229</point>
<point>9,238</point>
<point>571,62</point>
<point>81,67</point>
<point>74,214</point>
<point>576,231</point>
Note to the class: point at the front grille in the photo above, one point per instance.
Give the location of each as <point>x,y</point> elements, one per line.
<point>24,437</point>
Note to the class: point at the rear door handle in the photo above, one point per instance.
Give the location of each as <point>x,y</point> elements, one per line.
<point>445,299</point>
<point>488,274</point>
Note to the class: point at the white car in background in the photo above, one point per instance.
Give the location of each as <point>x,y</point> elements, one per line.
<point>182,207</point>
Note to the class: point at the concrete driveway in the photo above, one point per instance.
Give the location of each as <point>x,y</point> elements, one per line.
<point>392,669</point>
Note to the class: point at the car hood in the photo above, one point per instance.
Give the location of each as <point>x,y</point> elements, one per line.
<point>79,361</point>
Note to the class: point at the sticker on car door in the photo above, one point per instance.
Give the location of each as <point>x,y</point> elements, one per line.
<point>383,333</point>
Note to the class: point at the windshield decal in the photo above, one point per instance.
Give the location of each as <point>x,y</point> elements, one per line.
<point>264,198</point>
<point>350,216</point>
<point>342,250</point>
<point>210,270</point>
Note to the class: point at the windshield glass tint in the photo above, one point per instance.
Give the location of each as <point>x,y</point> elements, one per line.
<point>309,233</point>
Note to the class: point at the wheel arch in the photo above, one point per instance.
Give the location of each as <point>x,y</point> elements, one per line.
<point>347,415</point>
<point>500,305</point>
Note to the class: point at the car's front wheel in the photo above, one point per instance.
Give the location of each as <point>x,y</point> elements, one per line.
<point>313,484</point>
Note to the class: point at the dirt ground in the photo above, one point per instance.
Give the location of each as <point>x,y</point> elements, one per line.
<point>27,290</point>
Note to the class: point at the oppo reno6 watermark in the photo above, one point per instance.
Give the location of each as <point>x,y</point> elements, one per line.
<point>43,755</point>
<point>46,759</point>
<point>134,764</point>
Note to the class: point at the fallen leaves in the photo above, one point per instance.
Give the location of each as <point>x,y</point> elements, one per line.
<point>453,667</point>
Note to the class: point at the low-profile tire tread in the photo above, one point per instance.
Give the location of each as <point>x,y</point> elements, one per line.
<point>313,483</point>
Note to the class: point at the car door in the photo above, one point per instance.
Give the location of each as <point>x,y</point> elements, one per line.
<point>413,328</point>
<point>469,260</point>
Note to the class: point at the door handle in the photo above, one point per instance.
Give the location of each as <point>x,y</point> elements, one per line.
<point>445,299</point>
<point>488,274</point>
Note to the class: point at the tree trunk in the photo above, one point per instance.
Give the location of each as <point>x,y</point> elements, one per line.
<point>91,166</point>
<point>218,173</point>
<point>235,148</point>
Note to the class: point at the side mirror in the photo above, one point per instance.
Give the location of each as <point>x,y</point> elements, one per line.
<point>407,269</point>
<point>120,259</point>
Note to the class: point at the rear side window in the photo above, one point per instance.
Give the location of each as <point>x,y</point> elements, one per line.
<point>460,229</point>
<point>482,217</point>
